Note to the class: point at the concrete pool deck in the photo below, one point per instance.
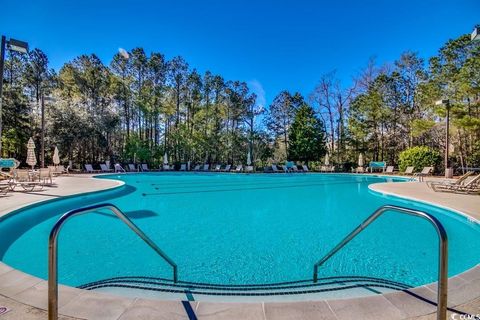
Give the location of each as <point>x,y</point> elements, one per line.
<point>26,296</point>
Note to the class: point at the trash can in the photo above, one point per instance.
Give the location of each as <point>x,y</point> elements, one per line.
<point>449,173</point>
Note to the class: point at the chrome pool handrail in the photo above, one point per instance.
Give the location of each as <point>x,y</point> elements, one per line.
<point>53,250</point>
<point>443,251</point>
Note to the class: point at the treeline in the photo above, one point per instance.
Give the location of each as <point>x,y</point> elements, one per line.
<point>141,106</point>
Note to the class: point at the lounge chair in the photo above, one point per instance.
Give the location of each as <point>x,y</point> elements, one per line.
<point>132,168</point>
<point>45,176</point>
<point>4,188</point>
<point>218,167</point>
<point>26,180</point>
<point>425,172</point>
<point>206,167</point>
<point>294,169</point>
<point>166,167</point>
<point>89,169</point>
<point>275,168</point>
<point>360,170</point>
<point>409,170</point>
<point>249,169</point>
<point>228,167</point>
<point>470,187</point>
<point>305,168</point>
<point>460,180</point>
<point>239,168</point>
<point>183,167</point>
<point>145,167</point>
<point>197,168</point>
<point>118,168</point>
<point>104,168</point>
<point>389,170</point>
<point>57,170</point>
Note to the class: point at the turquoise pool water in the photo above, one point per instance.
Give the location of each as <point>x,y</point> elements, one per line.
<point>238,229</point>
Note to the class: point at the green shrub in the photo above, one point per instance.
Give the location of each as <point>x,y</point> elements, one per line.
<point>419,157</point>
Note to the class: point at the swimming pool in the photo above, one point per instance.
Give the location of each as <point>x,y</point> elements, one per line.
<point>238,230</point>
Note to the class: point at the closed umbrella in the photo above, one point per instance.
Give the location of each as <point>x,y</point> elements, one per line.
<point>56,157</point>
<point>165,158</point>
<point>249,158</point>
<point>327,160</point>
<point>31,158</point>
<point>360,160</point>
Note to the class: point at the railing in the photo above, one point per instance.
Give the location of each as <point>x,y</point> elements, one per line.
<point>443,251</point>
<point>53,251</point>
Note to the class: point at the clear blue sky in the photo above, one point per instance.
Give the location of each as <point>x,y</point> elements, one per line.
<point>275,44</point>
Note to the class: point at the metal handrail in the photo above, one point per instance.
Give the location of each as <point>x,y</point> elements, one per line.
<point>443,251</point>
<point>53,250</point>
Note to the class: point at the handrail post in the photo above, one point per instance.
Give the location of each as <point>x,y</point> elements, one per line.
<point>442,288</point>
<point>53,251</point>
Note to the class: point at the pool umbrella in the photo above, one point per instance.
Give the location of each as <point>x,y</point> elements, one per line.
<point>249,158</point>
<point>56,157</point>
<point>360,160</point>
<point>165,158</point>
<point>31,158</point>
<point>327,160</point>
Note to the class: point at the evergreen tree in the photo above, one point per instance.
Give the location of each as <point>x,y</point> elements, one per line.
<point>306,136</point>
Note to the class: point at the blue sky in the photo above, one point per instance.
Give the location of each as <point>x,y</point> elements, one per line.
<point>273,45</point>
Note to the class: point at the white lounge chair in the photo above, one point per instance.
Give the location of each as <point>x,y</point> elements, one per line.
<point>389,169</point>
<point>305,168</point>
<point>131,167</point>
<point>218,167</point>
<point>469,187</point>
<point>228,167</point>
<point>45,176</point>
<point>89,168</point>
<point>26,180</point>
<point>445,183</point>
<point>183,167</point>
<point>118,168</point>
<point>206,167</point>
<point>145,167</point>
<point>239,168</point>
<point>104,168</point>
<point>166,167</point>
<point>409,170</point>
<point>197,168</point>
<point>275,168</point>
<point>249,169</point>
<point>425,172</point>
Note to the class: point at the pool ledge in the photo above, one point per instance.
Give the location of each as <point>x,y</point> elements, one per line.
<point>26,295</point>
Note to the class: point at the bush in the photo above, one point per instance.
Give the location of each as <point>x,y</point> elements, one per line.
<point>419,157</point>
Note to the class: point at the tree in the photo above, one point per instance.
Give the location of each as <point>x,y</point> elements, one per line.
<point>306,136</point>
<point>280,116</point>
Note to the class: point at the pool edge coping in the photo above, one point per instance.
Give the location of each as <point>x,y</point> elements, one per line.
<point>455,282</point>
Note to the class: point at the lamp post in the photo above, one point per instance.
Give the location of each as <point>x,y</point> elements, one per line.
<point>14,45</point>
<point>446,103</point>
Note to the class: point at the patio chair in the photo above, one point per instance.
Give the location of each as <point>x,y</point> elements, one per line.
<point>183,167</point>
<point>425,172</point>
<point>409,170</point>
<point>206,167</point>
<point>360,170</point>
<point>389,170</point>
<point>45,176</point>
<point>249,169</point>
<point>228,167</point>
<point>218,167</point>
<point>460,180</point>
<point>145,167</point>
<point>470,187</point>
<point>89,169</point>
<point>26,180</point>
<point>239,168</point>
<point>166,167</point>
<point>275,168</point>
<point>294,169</point>
<point>118,168</point>
<point>305,168</point>
<point>4,188</point>
<point>132,167</point>
<point>104,168</point>
<point>197,168</point>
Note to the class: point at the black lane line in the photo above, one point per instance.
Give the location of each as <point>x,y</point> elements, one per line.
<point>188,309</point>
<point>243,189</point>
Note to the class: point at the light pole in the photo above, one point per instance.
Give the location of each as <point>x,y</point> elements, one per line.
<point>446,103</point>
<point>14,45</point>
